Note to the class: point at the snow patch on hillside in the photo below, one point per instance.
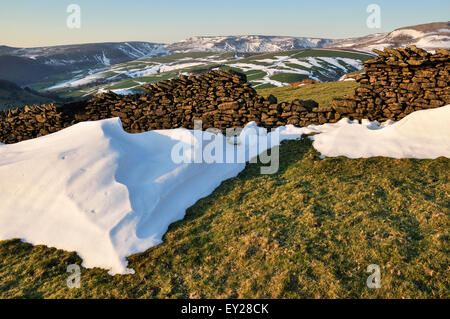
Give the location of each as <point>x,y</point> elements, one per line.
<point>283,64</point>
<point>79,81</point>
<point>439,38</point>
<point>434,41</point>
<point>105,60</point>
<point>411,33</point>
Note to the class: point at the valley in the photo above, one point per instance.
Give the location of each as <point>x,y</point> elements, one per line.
<point>262,70</point>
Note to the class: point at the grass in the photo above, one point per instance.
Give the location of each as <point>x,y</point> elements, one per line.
<point>253,58</point>
<point>258,85</point>
<point>12,96</point>
<point>309,231</point>
<point>53,80</point>
<point>288,77</point>
<point>256,75</point>
<point>297,66</point>
<point>333,53</point>
<point>323,93</point>
<point>20,99</point>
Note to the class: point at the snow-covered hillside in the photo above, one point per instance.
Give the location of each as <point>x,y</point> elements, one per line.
<point>247,43</point>
<point>44,64</point>
<point>65,58</point>
<point>277,69</point>
<point>95,54</point>
<point>273,70</point>
<point>97,190</point>
<point>427,36</point>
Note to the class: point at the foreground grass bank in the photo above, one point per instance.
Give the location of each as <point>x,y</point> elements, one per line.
<point>309,231</point>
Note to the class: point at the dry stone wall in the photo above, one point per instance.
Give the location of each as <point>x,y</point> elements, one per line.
<point>221,99</point>
<point>398,82</point>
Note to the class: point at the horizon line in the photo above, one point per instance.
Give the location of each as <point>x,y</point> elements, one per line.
<point>212,36</point>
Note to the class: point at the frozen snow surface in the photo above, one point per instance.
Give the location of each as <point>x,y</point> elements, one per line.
<point>106,194</point>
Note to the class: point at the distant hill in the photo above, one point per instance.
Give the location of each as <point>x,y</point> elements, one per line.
<point>12,95</point>
<point>22,70</point>
<point>79,56</point>
<point>262,70</point>
<point>247,43</point>
<point>427,36</point>
<point>53,64</point>
<point>29,65</point>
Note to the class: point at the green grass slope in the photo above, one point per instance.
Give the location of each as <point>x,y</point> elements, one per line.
<point>309,231</point>
<point>322,93</point>
<point>12,96</point>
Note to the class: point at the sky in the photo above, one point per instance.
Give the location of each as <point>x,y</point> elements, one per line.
<point>31,23</point>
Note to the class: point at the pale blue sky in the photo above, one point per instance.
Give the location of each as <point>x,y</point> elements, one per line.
<point>43,22</point>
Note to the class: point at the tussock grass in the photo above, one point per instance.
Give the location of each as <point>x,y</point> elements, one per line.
<point>309,231</point>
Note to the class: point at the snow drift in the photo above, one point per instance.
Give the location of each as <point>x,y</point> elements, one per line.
<point>97,190</point>
<point>106,194</point>
<point>423,134</point>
